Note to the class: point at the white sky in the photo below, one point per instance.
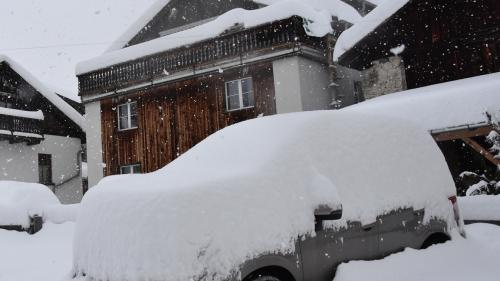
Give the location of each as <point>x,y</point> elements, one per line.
<point>49,37</point>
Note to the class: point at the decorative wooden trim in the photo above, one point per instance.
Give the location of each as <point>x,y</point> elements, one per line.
<point>463,133</point>
<point>481,150</point>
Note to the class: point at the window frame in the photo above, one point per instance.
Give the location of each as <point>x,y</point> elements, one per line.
<point>131,166</point>
<point>129,116</point>
<point>240,94</point>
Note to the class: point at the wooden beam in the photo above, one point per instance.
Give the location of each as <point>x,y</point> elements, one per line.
<point>484,152</point>
<point>463,133</point>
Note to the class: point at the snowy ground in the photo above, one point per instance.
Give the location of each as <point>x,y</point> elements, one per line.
<point>46,256</point>
<point>474,258</point>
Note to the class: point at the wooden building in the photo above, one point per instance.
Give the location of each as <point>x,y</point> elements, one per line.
<point>440,41</point>
<point>443,40</point>
<point>167,85</point>
<point>41,133</point>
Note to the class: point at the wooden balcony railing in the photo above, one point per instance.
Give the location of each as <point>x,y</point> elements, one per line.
<point>285,33</point>
<point>21,125</point>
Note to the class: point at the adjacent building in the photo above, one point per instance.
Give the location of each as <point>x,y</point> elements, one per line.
<point>408,44</point>
<point>189,68</point>
<point>41,135</point>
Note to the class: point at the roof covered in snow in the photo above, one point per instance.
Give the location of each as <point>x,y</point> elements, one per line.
<point>267,173</point>
<point>447,105</point>
<point>49,37</point>
<point>351,36</point>
<point>319,12</point>
<point>336,7</point>
<point>45,90</point>
<point>138,24</point>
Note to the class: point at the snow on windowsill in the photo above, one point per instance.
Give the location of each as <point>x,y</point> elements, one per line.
<point>28,135</point>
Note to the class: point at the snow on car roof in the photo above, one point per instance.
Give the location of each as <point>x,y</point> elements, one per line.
<point>19,200</point>
<point>318,26</point>
<point>351,36</point>
<point>440,106</point>
<point>46,91</point>
<point>252,188</point>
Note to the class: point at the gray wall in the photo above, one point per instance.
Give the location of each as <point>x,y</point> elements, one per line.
<point>300,84</point>
<point>94,142</point>
<point>384,77</point>
<point>345,81</point>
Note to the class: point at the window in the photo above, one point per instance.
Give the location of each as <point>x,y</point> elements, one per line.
<point>127,116</point>
<point>45,169</point>
<point>130,169</point>
<point>239,94</point>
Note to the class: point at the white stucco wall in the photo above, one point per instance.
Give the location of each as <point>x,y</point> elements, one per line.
<point>19,162</point>
<point>314,81</point>
<point>300,84</point>
<point>287,85</point>
<point>94,142</point>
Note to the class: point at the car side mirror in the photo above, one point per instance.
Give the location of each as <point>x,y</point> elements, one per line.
<point>326,213</point>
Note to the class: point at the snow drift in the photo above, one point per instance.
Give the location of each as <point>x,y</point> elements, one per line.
<point>252,188</point>
<point>452,104</point>
<point>480,207</point>
<point>20,200</point>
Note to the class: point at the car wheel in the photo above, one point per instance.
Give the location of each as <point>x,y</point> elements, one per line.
<point>434,239</point>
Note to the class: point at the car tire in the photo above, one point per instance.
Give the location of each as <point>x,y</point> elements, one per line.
<point>434,239</point>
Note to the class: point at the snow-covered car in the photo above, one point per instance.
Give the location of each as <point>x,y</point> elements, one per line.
<point>285,197</point>
<point>22,205</point>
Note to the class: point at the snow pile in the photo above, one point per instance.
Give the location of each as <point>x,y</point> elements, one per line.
<point>318,25</point>
<point>46,91</point>
<point>61,213</point>
<point>398,50</point>
<point>474,258</point>
<point>336,8</point>
<point>252,188</point>
<point>22,113</point>
<point>20,200</point>
<point>451,104</point>
<point>350,37</point>
<point>43,256</point>
<point>480,207</point>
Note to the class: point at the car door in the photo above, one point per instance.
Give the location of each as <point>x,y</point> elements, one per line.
<point>322,253</point>
<point>397,230</point>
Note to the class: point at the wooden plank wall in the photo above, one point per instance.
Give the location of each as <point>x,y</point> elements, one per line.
<point>175,117</point>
